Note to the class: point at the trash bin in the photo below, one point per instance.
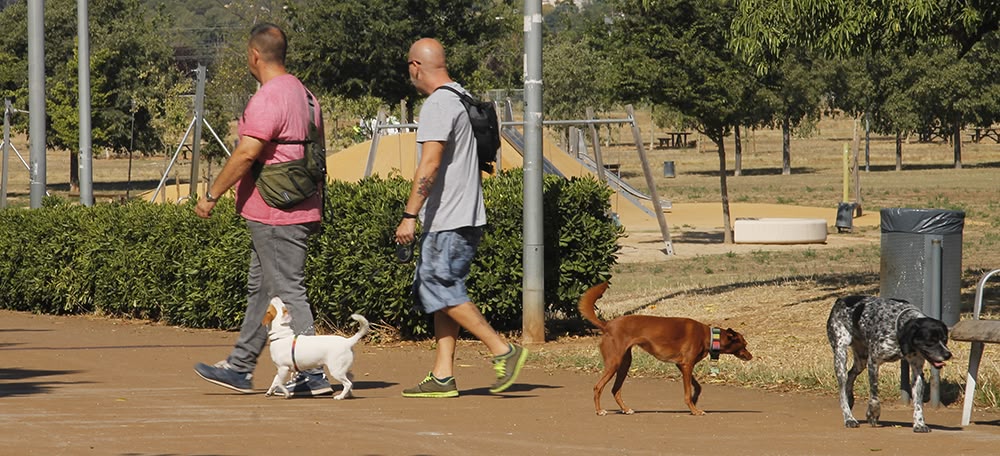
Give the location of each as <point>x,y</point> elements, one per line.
<point>845,217</point>
<point>668,169</point>
<point>911,240</point>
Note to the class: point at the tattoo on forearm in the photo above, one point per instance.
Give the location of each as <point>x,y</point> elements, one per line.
<point>424,186</point>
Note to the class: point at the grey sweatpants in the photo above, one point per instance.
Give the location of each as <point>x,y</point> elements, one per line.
<point>277,268</point>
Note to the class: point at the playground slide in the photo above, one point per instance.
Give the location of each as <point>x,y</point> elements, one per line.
<point>517,140</point>
<point>627,201</point>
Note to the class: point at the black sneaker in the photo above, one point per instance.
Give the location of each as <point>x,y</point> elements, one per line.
<point>308,385</point>
<point>222,374</point>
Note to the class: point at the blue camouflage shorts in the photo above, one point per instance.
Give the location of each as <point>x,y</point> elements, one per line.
<point>444,263</point>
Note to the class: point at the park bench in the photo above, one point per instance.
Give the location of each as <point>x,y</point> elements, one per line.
<point>979,332</point>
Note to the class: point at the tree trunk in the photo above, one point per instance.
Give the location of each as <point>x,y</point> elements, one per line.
<point>899,151</point>
<point>738,171</point>
<point>727,225</point>
<point>786,147</point>
<point>868,140</point>
<point>958,144</point>
<point>74,172</point>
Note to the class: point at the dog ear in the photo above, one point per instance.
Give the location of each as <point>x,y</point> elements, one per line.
<point>269,315</point>
<point>906,337</point>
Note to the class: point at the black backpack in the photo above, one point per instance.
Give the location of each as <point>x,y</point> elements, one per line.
<point>483,117</point>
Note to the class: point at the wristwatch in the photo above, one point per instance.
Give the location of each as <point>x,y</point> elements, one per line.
<point>408,215</point>
<point>209,197</point>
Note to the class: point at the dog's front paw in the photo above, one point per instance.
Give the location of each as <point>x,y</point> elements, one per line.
<point>602,412</point>
<point>628,411</point>
<point>270,392</point>
<point>851,423</point>
<point>921,428</point>
<point>697,412</point>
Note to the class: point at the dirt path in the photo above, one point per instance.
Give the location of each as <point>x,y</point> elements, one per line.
<point>83,385</point>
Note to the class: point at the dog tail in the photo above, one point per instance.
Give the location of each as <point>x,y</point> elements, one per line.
<point>362,331</point>
<point>587,304</point>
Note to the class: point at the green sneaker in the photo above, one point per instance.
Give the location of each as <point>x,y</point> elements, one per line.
<point>508,367</point>
<point>430,387</point>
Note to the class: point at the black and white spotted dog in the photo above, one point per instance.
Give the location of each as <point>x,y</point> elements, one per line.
<point>880,330</point>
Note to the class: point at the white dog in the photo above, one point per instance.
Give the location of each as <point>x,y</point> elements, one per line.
<point>292,353</point>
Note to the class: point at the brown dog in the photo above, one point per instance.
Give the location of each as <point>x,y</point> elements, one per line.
<point>681,341</point>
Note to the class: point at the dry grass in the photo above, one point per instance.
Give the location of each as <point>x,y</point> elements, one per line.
<point>778,299</point>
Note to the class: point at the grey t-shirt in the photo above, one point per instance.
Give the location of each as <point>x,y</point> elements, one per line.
<point>456,199</point>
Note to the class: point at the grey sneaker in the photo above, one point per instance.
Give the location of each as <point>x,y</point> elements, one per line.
<point>308,385</point>
<point>430,387</point>
<point>222,374</point>
<point>508,367</point>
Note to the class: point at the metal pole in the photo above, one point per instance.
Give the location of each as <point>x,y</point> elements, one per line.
<point>847,174</point>
<point>935,312</point>
<point>534,253</point>
<point>199,114</point>
<point>217,139</point>
<point>6,152</point>
<point>499,165</point>
<point>83,75</point>
<point>595,139</point>
<point>376,134</point>
<point>166,173</point>
<point>36,99</point>
<point>654,195</point>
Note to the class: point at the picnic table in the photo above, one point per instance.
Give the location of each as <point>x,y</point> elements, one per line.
<point>989,133</point>
<point>928,134</point>
<point>674,139</point>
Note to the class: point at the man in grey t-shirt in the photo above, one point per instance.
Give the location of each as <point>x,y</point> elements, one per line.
<point>447,193</point>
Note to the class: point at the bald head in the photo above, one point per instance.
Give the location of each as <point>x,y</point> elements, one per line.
<point>270,42</point>
<point>427,67</point>
<point>430,53</point>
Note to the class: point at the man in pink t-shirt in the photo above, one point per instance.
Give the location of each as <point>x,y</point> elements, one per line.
<point>276,115</point>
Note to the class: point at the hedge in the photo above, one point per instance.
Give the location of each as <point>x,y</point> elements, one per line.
<point>161,262</point>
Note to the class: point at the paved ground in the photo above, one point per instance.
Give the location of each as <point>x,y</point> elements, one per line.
<point>85,385</point>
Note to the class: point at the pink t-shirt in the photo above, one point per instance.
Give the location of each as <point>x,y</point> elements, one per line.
<point>278,111</point>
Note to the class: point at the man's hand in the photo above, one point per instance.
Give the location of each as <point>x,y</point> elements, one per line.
<point>406,232</point>
<point>204,208</point>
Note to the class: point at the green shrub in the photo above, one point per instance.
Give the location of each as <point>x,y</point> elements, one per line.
<point>161,262</point>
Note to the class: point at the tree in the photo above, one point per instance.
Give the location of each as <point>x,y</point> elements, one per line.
<point>676,53</point>
<point>763,29</point>
<point>576,74</point>
<point>353,48</point>
<point>131,72</point>
<point>790,94</point>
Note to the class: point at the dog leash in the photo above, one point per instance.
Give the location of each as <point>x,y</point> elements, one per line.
<point>715,347</point>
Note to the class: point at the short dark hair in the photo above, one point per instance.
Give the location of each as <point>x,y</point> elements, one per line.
<point>270,40</point>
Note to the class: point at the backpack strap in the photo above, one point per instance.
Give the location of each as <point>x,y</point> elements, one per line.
<point>258,166</point>
<point>451,89</point>
<point>312,124</point>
